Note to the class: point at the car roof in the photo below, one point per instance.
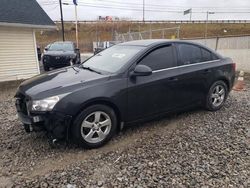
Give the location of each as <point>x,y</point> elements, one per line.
<point>145,43</point>
<point>152,42</point>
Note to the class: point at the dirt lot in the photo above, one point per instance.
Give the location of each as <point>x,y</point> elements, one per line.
<point>192,149</point>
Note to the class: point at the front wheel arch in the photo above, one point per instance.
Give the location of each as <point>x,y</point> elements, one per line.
<point>77,123</point>
<point>106,103</point>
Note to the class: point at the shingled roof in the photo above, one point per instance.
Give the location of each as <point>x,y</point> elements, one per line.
<point>24,13</point>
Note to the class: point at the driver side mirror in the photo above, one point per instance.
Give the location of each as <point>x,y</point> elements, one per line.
<point>141,70</point>
<point>46,48</point>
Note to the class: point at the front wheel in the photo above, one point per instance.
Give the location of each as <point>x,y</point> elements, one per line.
<point>46,68</point>
<point>95,126</point>
<point>216,96</point>
<point>79,60</point>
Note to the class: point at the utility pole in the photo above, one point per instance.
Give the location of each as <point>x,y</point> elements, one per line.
<point>207,23</point>
<point>150,34</point>
<point>77,41</point>
<point>206,26</point>
<point>143,13</point>
<point>60,3</point>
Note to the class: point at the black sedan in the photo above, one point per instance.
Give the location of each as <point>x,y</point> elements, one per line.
<point>122,85</point>
<point>60,54</point>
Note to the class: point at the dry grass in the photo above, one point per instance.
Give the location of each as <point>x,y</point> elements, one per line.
<point>106,31</point>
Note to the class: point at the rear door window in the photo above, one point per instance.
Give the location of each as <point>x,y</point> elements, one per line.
<point>189,54</point>
<point>161,58</point>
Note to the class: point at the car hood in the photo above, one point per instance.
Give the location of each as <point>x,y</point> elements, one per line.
<point>60,81</point>
<point>59,53</point>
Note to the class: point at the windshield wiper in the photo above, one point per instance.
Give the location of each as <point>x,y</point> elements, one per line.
<point>90,69</point>
<point>74,68</point>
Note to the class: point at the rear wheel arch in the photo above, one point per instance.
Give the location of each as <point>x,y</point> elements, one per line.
<point>226,82</point>
<point>221,97</point>
<point>223,79</point>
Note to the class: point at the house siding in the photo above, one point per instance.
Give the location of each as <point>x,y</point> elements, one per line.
<point>18,58</point>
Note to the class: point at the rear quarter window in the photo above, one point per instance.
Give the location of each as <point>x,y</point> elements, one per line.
<point>207,55</point>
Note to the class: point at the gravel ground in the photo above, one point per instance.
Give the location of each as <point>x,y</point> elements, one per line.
<point>191,149</point>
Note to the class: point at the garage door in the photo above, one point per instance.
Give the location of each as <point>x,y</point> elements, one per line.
<point>18,58</point>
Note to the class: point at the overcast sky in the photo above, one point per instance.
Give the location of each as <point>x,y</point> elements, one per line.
<point>154,9</point>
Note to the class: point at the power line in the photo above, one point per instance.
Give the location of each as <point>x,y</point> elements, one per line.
<point>149,10</point>
<point>152,9</point>
<point>48,3</point>
<point>152,6</point>
<point>139,9</point>
<point>124,8</point>
<point>167,6</point>
<point>49,10</point>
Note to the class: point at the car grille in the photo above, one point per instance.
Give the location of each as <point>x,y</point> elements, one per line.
<point>59,60</point>
<point>21,103</point>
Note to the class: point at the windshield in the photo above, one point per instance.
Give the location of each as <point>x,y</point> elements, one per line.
<point>112,59</point>
<point>61,47</point>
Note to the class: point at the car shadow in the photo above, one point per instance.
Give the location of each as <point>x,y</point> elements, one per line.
<point>158,122</point>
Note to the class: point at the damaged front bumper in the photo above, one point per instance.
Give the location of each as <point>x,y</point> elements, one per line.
<point>56,124</point>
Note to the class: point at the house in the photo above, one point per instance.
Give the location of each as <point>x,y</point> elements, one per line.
<point>19,19</point>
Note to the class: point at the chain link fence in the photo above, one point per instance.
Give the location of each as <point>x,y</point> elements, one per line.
<point>165,33</point>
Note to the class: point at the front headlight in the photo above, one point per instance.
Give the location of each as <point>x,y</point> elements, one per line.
<point>45,58</point>
<point>44,104</point>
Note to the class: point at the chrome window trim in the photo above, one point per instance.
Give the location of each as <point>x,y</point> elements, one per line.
<point>204,62</point>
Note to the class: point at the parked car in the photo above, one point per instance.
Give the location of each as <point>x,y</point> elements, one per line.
<point>39,54</point>
<point>124,84</point>
<point>46,48</point>
<point>60,54</point>
<point>100,46</point>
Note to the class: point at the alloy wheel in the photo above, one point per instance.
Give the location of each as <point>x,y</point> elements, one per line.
<point>96,127</point>
<point>218,95</point>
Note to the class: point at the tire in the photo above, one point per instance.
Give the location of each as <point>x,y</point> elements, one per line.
<point>89,129</point>
<point>46,68</point>
<point>79,60</point>
<point>71,62</point>
<point>216,96</point>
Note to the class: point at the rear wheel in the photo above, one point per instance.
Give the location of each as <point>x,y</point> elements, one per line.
<point>216,96</point>
<point>95,126</point>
